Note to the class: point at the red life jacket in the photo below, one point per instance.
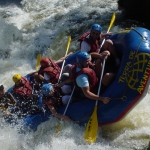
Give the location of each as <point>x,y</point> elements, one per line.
<point>95,45</point>
<point>24,88</point>
<point>55,100</point>
<point>53,71</point>
<point>93,80</point>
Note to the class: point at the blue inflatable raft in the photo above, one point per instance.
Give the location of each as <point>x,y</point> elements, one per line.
<point>128,88</point>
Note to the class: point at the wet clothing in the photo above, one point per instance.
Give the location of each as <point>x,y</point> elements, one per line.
<point>82,80</point>
<point>17,108</point>
<point>23,89</point>
<point>54,100</point>
<point>65,73</point>
<point>52,71</point>
<point>25,107</point>
<point>26,101</point>
<point>95,45</point>
<point>88,46</point>
<point>92,78</point>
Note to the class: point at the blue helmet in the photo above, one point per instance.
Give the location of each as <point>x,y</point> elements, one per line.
<point>81,57</point>
<point>46,88</point>
<point>96,27</point>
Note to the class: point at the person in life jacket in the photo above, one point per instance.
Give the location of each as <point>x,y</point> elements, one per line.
<point>22,87</point>
<point>6,100</point>
<point>49,71</point>
<point>91,42</point>
<point>54,98</point>
<point>86,78</point>
<point>26,99</point>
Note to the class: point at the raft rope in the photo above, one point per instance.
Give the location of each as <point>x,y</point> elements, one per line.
<point>124,97</point>
<point>139,33</point>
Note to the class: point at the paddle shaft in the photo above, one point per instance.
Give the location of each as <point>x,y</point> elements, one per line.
<point>69,100</point>
<point>37,67</point>
<point>102,72</point>
<point>100,81</point>
<point>38,61</point>
<point>59,125</point>
<point>68,44</point>
<point>111,23</point>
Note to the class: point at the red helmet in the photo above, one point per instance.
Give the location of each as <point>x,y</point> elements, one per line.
<point>45,62</point>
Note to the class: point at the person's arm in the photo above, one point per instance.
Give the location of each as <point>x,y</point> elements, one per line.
<point>57,115</point>
<point>96,55</point>
<point>102,55</point>
<point>32,73</point>
<point>63,58</point>
<point>83,83</point>
<point>12,98</point>
<point>88,94</point>
<point>63,83</point>
<point>104,35</point>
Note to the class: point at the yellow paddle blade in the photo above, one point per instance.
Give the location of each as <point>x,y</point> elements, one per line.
<point>3,108</point>
<point>58,128</point>
<point>68,44</point>
<point>38,61</point>
<point>92,128</point>
<point>112,21</point>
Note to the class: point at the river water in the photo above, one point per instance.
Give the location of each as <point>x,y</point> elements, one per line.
<point>29,27</point>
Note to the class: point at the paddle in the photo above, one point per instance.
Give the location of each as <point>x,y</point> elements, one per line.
<point>59,125</point>
<point>111,23</point>
<point>36,67</point>
<point>92,125</point>
<point>38,61</point>
<point>68,44</point>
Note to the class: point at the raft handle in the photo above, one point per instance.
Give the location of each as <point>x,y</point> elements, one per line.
<point>124,98</point>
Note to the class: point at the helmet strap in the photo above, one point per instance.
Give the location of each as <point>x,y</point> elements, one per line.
<point>80,65</point>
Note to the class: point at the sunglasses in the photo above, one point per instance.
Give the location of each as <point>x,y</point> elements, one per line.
<point>95,33</point>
